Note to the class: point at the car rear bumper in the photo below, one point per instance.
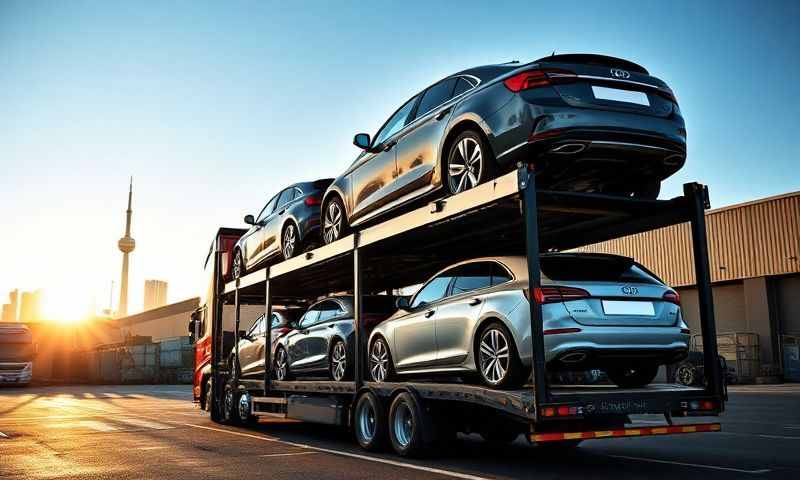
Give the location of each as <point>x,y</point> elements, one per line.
<point>583,149</point>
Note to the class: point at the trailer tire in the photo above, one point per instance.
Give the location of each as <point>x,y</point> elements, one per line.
<point>370,422</point>
<point>410,426</point>
<point>208,398</point>
<point>230,407</point>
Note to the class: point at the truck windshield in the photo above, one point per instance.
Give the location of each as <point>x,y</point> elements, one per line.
<point>16,352</point>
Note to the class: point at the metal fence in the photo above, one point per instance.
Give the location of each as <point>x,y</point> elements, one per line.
<point>741,350</point>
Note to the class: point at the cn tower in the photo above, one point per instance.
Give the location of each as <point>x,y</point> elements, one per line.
<point>126,244</point>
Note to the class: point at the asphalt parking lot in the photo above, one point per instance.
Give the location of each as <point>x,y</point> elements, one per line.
<point>156,432</point>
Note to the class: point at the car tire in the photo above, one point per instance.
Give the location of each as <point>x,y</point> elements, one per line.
<point>280,369</point>
<point>410,426</point>
<point>496,358</point>
<point>632,377</point>
<point>237,269</point>
<point>209,399</point>
<point>370,423</point>
<point>381,368</point>
<point>230,406</point>
<point>334,220</point>
<point>291,244</point>
<point>469,162</point>
<point>338,363</point>
<point>686,374</point>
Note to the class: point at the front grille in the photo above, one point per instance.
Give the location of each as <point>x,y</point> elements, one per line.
<point>12,367</point>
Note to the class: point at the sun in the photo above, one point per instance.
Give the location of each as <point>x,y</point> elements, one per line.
<point>64,306</point>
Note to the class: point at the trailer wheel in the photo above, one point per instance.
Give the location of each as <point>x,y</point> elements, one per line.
<point>208,397</point>
<point>230,407</point>
<point>370,422</point>
<point>410,426</point>
<point>245,409</point>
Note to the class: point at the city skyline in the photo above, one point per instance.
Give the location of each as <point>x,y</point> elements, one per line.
<point>212,128</point>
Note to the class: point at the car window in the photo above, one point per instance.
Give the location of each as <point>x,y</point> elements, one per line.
<point>309,318</point>
<point>462,85</point>
<point>329,309</point>
<point>394,124</point>
<point>436,95</point>
<point>276,321</point>
<point>268,209</point>
<point>433,290</point>
<point>595,268</point>
<point>253,330</point>
<point>500,274</point>
<point>472,276</point>
<point>286,197</point>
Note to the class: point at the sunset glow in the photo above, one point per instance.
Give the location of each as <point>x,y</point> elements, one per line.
<point>64,306</point>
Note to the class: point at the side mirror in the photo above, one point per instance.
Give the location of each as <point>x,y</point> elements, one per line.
<point>191,327</point>
<point>362,141</point>
<point>248,219</point>
<point>402,303</point>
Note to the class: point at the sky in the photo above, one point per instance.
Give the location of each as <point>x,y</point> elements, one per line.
<point>214,106</point>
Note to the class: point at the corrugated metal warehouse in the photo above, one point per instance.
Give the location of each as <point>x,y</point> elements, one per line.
<point>755,272</point>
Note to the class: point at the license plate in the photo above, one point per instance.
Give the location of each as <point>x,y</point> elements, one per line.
<point>623,307</point>
<point>629,96</point>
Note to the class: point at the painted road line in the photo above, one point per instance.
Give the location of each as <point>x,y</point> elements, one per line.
<point>3,435</point>
<point>384,461</point>
<point>696,465</point>
<point>287,454</point>
<point>95,425</point>
<point>782,437</point>
<point>761,435</point>
<point>160,447</point>
<point>139,422</point>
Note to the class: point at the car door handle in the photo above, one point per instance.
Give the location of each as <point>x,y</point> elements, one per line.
<point>331,325</point>
<point>443,113</point>
<point>389,145</point>
<point>429,313</point>
<point>282,212</point>
<point>475,301</point>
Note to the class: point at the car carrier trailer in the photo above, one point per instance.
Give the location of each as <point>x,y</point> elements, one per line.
<point>505,216</point>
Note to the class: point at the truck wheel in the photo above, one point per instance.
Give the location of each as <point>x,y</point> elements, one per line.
<point>409,426</point>
<point>632,377</point>
<point>245,410</point>
<point>208,398</point>
<point>231,406</point>
<point>370,423</point>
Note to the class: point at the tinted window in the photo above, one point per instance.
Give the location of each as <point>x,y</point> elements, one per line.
<point>436,95</point>
<point>255,327</point>
<point>595,268</point>
<point>286,197</point>
<point>433,291</point>
<point>268,209</point>
<point>500,274</point>
<point>309,318</point>
<point>472,277</point>
<point>461,86</point>
<point>328,310</point>
<point>397,122</point>
<point>277,321</point>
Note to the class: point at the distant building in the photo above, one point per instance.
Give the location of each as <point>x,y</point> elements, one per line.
<point>10,308</point>
<point>155,294</point>
<point>30,306</point>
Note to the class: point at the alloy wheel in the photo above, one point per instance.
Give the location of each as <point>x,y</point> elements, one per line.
<point>289,241</point>
<point>281,366</point>
<point>685,375</point>
<point>244,406</point>
<point>338,361</point>
<point>379,361</point>
<point>367,422</point>
<point>229,407</point>
<point>465,165</point>
<point>403,425</point>
<point>237,265</point>
<point>494,356</point>
<point>332,224</point>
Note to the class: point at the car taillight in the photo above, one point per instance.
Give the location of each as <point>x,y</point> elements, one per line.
<point>537,79</point>
<point>548,294</point>
<point>672,297</point>
<point>313,200</point>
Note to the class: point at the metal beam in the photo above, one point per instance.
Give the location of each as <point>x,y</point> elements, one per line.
<point>527,184</point>
<point>698,202</point>
<point>216,335</point>
<point>358,304</point>
<point>267,334</point>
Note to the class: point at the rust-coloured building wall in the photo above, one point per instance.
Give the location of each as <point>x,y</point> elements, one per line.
<point>760,238</point>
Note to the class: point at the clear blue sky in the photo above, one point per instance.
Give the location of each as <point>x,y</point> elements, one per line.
<point>212,106</point>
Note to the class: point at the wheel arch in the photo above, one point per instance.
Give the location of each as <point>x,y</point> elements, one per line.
<point>469,121</point>
<point>481,324</point>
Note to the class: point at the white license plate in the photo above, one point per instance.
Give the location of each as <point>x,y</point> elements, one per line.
<point>629,96</point>
<point>623,307</point>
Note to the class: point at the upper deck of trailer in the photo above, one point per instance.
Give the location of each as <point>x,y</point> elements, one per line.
<point>483,221</point>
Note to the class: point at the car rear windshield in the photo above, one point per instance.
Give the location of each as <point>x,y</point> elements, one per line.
<point>379,304</point>
<point>595,268</point>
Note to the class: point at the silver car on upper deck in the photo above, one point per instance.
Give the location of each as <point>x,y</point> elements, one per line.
<point>599,311</point>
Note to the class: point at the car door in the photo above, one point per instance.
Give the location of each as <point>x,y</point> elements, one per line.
<point>459,312</point>
<point>320,335</point>
<point>248,348</point>
<point>301,353</point>
<point>254,243</point>
<point>414,334</point>
<point>418,144</point>
<point>272,230</point>
<point>373,177</point>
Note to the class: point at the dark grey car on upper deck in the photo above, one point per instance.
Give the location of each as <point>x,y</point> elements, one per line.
<point>588,123</point>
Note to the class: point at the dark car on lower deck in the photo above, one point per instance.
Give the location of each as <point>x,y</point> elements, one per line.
<point>588,123</point>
